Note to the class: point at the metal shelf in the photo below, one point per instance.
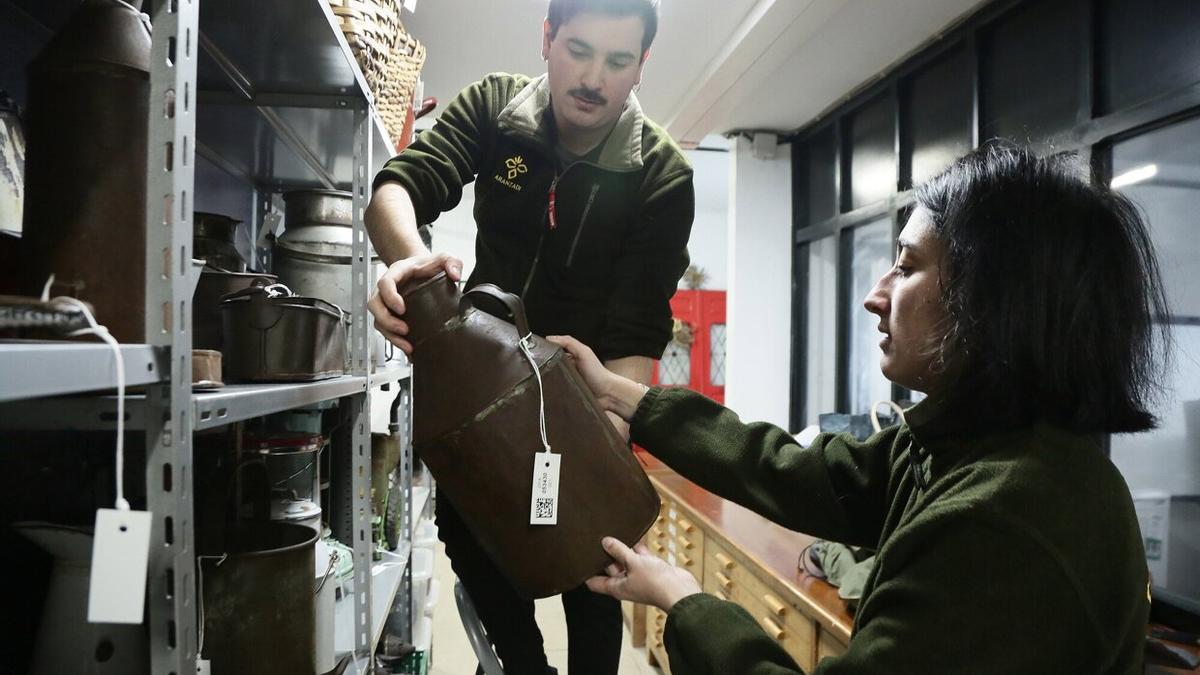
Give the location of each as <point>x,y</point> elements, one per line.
<point>278,87</point>
<point>237,402</point>
<point>387,575</point>
<point>389,373</point>
<point>32,369</point>
<point>420,499</point>
<point>232,403</point>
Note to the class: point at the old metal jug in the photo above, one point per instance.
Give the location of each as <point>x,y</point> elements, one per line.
<point>476,426</point>
<point>85,165</point>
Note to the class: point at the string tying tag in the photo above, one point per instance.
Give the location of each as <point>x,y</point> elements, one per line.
<point>543,502</point>
<point>527,349</point>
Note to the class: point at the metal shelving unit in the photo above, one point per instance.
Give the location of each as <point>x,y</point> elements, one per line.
<point>30,369</point>
<point>271,95</point>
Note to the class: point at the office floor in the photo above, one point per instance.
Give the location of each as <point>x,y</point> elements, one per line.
<point>452,653</point>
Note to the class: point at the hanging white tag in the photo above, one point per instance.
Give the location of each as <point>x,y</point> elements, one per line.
<point>543,506</point>
<point>203,667</point>
<point>120,555</point>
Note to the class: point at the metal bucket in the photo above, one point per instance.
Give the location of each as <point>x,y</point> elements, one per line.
<point>259,607</point>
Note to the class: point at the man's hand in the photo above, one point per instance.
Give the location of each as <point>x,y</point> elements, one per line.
<point>387,305</point>
<point>638,576</point>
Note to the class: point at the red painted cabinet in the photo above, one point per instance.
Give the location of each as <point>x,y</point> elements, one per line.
<point>695,357</point>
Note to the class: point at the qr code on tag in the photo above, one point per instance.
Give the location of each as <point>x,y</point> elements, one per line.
<point>543,508</point>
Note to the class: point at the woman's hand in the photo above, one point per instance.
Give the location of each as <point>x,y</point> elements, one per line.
<point>616,394</point>
<point>638,576</point>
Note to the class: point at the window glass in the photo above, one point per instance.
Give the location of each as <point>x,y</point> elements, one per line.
<point>821,331</point>
<point>675,368</point>
<point>870,255</point>
<point>1160,170</point>
<point>1145,49</point>
<point>1030,71</point>
<point>872,134</point>
<point>716,365</point>
<point>937,116</point>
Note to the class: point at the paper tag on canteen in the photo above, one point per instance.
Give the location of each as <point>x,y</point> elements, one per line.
<point>203,667</point>
<point>120,554</point>
<point>543,507</point>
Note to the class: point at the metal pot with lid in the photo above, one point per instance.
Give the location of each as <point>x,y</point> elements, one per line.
<point>214,240</point>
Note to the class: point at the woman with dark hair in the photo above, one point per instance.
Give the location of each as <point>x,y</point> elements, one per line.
<point>1021,302</point>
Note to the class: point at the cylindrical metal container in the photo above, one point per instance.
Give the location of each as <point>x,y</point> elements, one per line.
<point>315,251</point>
<point>292,461</point>
<point>214,241</point>
<point>477,429</point>
<point>259,605</point>
<point>85,167</point>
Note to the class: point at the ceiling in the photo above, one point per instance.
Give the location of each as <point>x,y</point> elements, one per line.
<point>716,65</point>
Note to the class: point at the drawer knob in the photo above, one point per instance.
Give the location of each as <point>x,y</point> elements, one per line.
<point>724,561</point>
<point>772,628</point>
<point>658,532</point>
<point>684,543</point>
<point>721,596</point>
<point>685,525</point>
<point>777,608</point>
<point>725,581</point>
<point>684,561</point>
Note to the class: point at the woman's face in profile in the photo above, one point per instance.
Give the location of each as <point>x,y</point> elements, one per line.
<point>907,300</point>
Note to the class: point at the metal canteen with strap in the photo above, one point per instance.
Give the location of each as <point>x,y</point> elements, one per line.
<point>480,409</point>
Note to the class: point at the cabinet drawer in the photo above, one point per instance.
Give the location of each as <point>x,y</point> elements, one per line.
<point>828,645</point>
<point>797,641</point>
<point>798,631</point>
<point>717,559</point>
<point>715,582</point>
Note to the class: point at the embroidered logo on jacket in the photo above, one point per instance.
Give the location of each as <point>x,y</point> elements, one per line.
<point>516,167</point>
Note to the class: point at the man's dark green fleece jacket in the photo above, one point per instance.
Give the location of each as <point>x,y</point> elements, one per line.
<point>604,268</point>
<point>1000,552</point>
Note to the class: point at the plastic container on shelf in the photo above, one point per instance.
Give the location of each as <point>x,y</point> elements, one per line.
<point>422,576</point>
<point>426,534</point>
<point>431,597</point>
<point>423,634</point>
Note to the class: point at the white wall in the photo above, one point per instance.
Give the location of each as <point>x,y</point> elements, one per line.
<point>758,309</point>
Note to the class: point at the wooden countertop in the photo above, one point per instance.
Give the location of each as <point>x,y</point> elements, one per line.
<point>771,547</point>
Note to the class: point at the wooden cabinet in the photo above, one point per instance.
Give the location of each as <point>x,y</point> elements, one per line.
<point>740,557</point>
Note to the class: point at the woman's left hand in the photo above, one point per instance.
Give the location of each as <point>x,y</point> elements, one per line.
<point>638,576</point>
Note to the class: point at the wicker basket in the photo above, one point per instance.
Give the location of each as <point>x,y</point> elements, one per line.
<point>390,58</point>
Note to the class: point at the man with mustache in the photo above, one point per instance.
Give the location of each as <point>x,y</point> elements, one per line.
<point>583,207</point>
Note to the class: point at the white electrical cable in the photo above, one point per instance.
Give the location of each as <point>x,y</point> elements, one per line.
<point>526,350</point>
<point>101,332</point>
<point>200,599</point>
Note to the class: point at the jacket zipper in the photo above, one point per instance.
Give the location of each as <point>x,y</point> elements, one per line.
<point>533,267</point>
<point>547,221</point>
<point>582,221</point>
